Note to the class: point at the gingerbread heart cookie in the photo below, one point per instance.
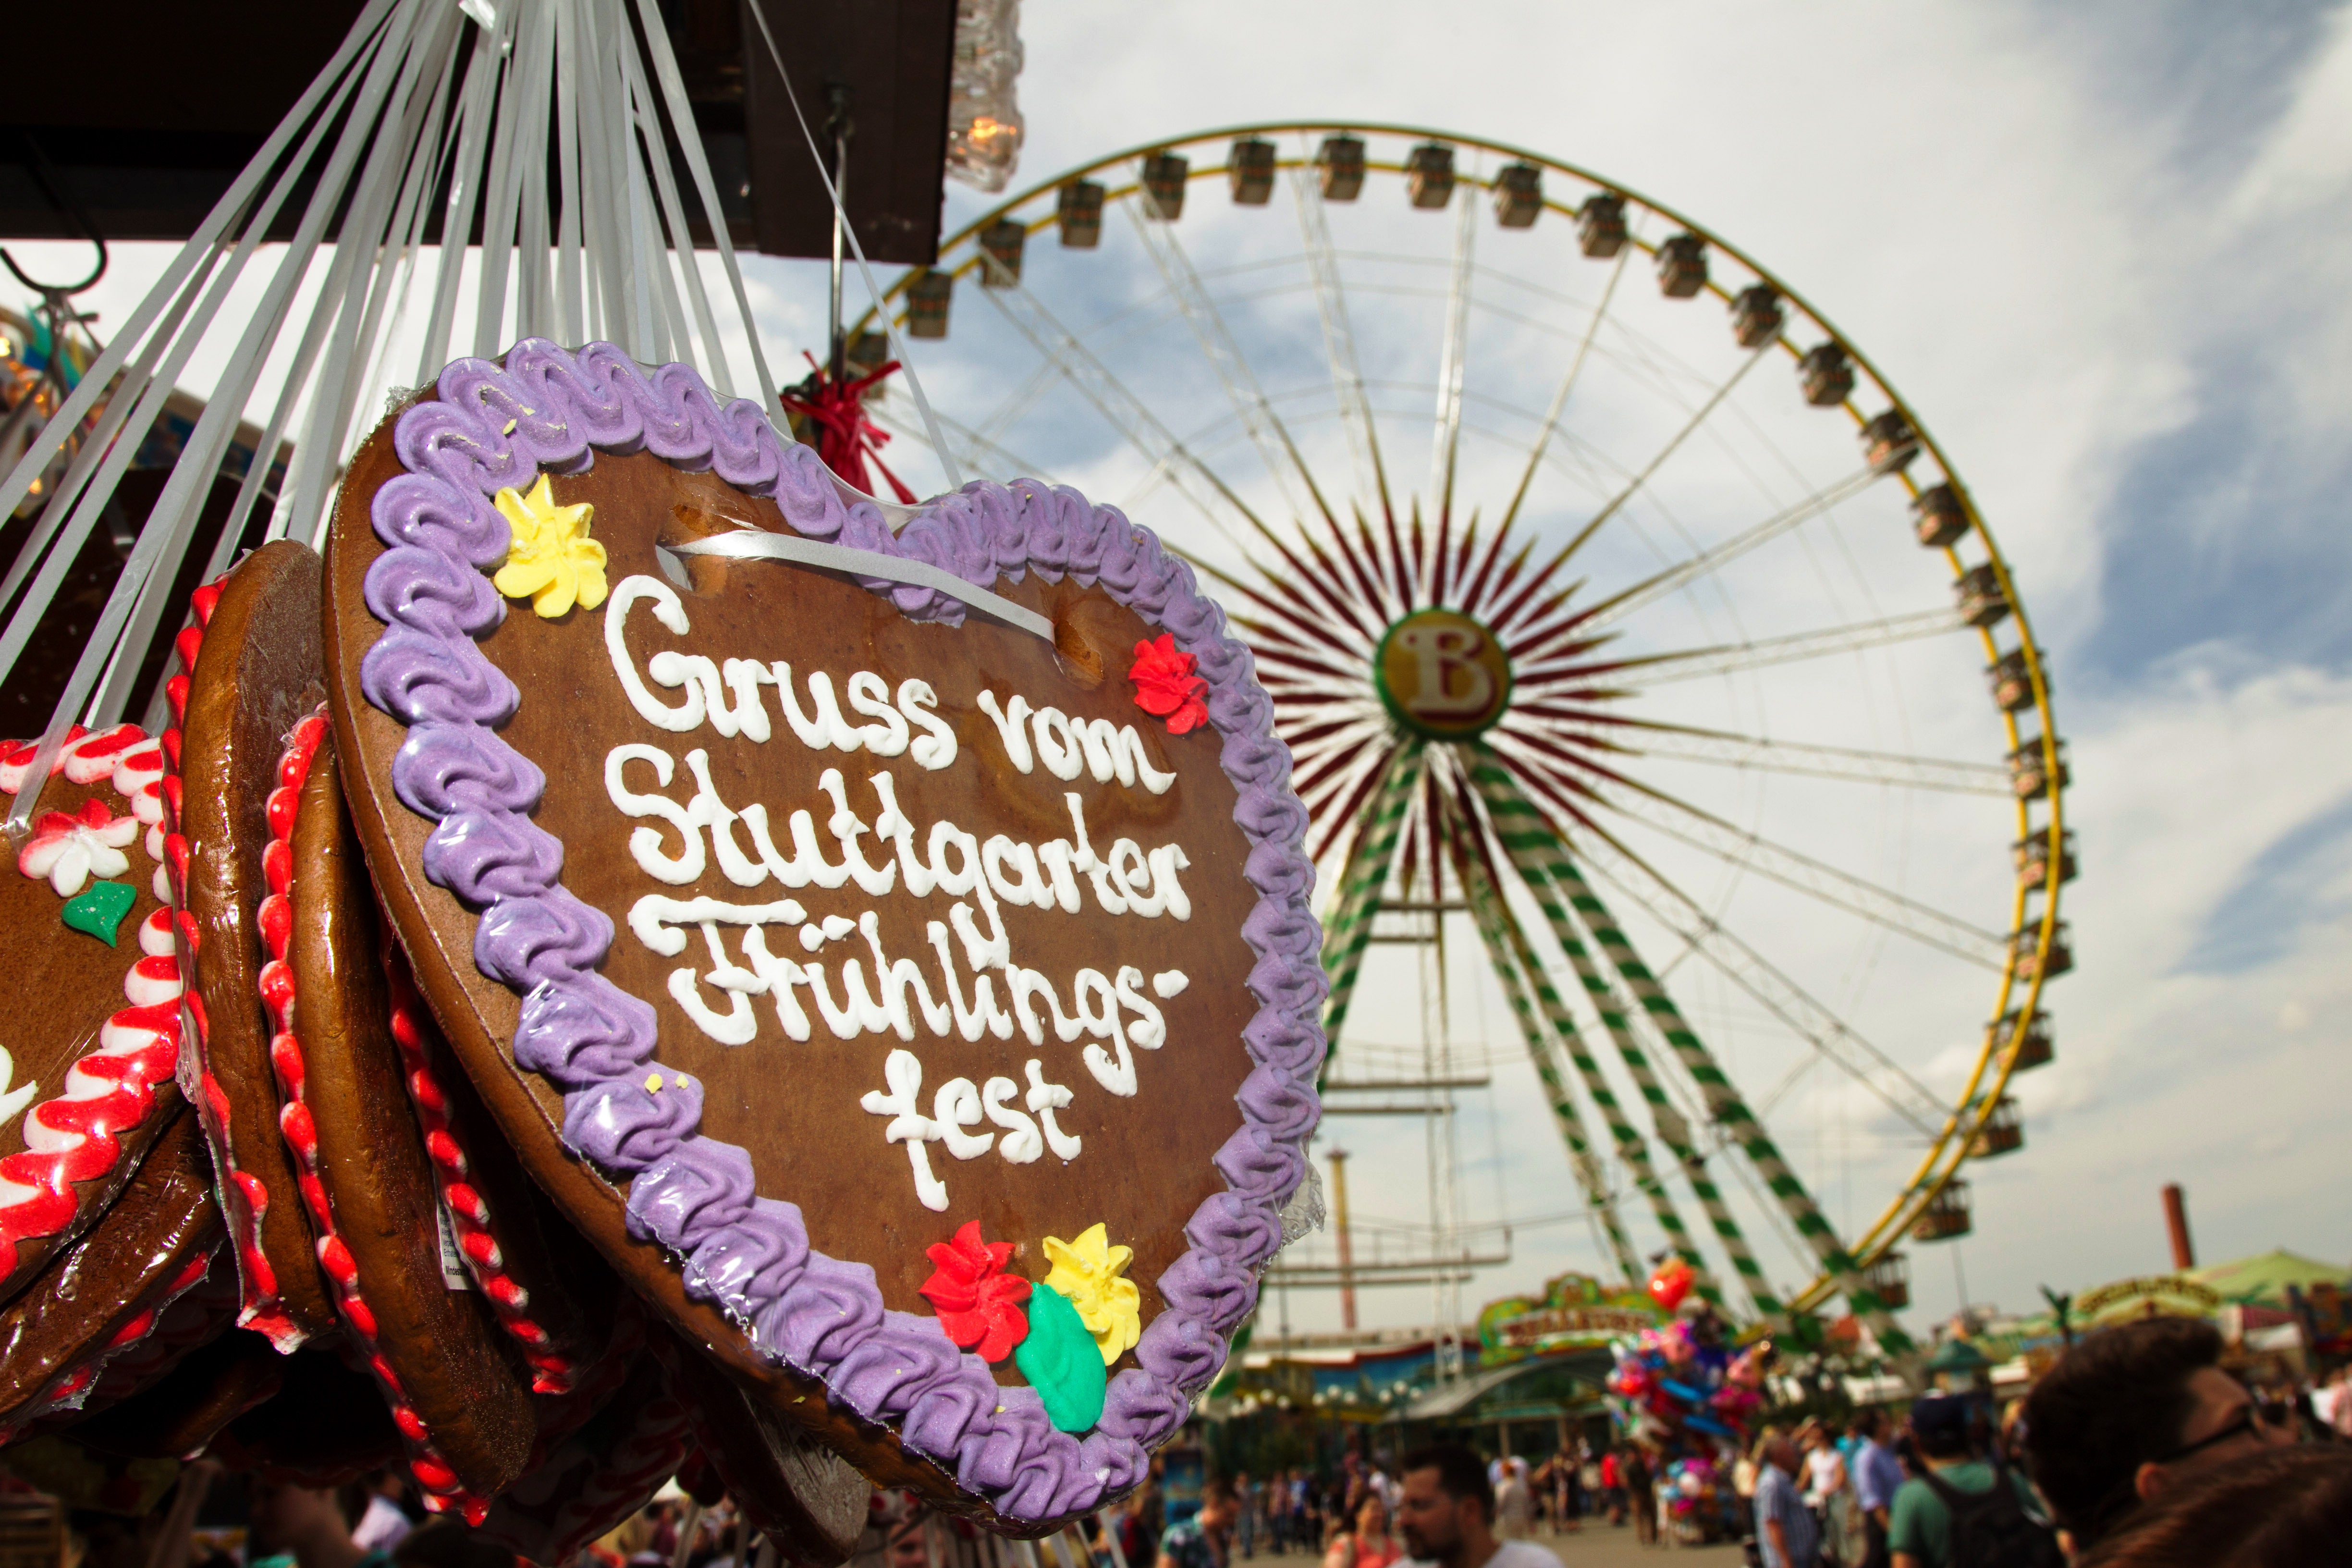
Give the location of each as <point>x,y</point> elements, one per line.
<point>104,1294</point>
<point>892,950</point>
<point>94,1037</point>
<point>253,675</point>
<point>457,1383</point>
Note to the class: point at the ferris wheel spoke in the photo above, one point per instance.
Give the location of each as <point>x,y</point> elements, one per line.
<point>1857,895</point>
<point>1633,487</point>
<point>1838,1043</point>
<point>1715,558</point>
<point>1445,441</point>
<point>977,451</point>
<point>1339,338</point>
<point>1684,743</point>
<point>1313,662</point>
<point>1567,384</point>
<point>1265,428</point>
<point>1022,399</point>
<point>1125,412</point>
<point>1299,611</point>
<point>1690,664</point>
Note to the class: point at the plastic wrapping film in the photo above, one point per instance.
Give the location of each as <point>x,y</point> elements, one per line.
<point>984,125</point>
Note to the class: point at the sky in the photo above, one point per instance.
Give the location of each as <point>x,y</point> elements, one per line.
<point>2100,249</point>
<point>2097,248</point>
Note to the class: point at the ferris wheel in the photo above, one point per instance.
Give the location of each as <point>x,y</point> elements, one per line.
<point>1626,626</point>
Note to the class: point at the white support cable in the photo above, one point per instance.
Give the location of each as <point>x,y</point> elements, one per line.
<point>172,522</point>
<point>152,539</point>
<point>97,380</point>
<point>697,168</point>
<point>873,290</point>
<point>112,418</point>
<point>410,99</point>
<point>1840,889</point>
<point>1544,432</point>
<point>466,187</point>
<point>1716,747</point>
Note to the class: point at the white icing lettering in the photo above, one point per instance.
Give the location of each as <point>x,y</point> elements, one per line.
<point>828,728</point>
<point>847,829</point>
<point>1170,982</point>
<point>954,1108</point>
<point>1098,1004</point>
<point>871,694</point>
<point>1166,861</point>
<point>1061,755</point>
<point>1044,1098</point>
<point>646,843</point>
<point>1028,887</point>
<point>1008,727</point>
<point>1027,983</point>
<point>1150,1030</point>
<point>892,980</point>
<point>1135,885</point>
<point>1021,1144</point>
<point>738,1025</point>
<point>782,975</point>
<point>903,1073</point>
<point>983,1015</point>
<point>707,809</point>
<point>670,611</point>
<point>654,918</point>
<point>1117,751</point>
<point>935,748</point>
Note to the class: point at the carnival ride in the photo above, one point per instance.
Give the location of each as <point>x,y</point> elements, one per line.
<point>1646,671</point>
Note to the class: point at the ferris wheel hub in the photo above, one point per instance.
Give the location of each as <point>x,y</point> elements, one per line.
<point>1443,675</point>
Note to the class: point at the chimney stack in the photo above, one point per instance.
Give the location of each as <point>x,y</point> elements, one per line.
<point>2176,1220</point>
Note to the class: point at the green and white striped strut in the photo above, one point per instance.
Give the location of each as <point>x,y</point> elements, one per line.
<point>1724,1102</point>
<point>1533,847</point>
<point>1632,1147</point>
<point>1494,920</point>
<point>1347,928</point>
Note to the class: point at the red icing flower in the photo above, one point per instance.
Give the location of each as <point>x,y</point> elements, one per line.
<point>978,1304</point>
<point>1165,684</point>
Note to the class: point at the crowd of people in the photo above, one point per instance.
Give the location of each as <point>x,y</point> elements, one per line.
<point>2135,1450</point>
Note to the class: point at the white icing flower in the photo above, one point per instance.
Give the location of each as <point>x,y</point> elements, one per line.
<point>68,849</point>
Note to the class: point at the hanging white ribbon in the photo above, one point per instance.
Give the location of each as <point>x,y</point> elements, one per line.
<point>753,544</point>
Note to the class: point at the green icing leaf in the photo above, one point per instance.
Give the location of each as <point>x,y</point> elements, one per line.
<point>1061,1362</point>
<point>99,908</point>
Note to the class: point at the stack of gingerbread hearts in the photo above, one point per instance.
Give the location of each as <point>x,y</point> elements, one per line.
<point>627,962</point>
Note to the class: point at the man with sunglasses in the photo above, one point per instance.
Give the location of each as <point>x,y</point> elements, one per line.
<point>2131,1411</point>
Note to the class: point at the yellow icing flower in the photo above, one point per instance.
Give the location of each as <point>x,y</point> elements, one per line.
<point>550,560</point>
<point>1088,1274</point>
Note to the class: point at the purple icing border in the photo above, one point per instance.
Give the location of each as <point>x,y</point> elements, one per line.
<point>549,409</point>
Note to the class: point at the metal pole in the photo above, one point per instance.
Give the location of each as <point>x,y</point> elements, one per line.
<point>837,125</point>
<point>1347,1241</point>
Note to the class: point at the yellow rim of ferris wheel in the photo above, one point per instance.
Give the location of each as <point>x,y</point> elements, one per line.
<point>2019,991</point>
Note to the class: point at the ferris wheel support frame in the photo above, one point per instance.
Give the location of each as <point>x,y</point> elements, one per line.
<point>2020,986</point>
